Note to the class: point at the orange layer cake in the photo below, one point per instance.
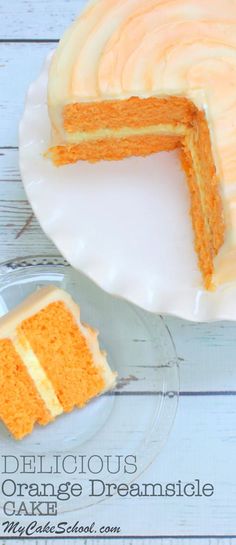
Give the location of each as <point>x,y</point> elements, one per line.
<point>49,361</point>
<point>134,77</point>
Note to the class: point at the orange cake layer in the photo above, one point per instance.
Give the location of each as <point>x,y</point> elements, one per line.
<point>49,361</point>
<point>74,384</point>
<point>20,404</point>
<point>133,112</point>
<point>113,149</point>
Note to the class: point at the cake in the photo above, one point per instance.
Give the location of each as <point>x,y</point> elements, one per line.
<point>49,361</point>
<point>134,77</point>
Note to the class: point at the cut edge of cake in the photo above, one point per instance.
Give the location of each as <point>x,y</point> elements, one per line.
<point>118,129</point>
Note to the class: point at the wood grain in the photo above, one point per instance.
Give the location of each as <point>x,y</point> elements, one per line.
<point>21,64</point>
<point>44,20</point>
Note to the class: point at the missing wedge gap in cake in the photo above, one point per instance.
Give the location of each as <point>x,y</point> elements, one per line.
<point>117,129</point>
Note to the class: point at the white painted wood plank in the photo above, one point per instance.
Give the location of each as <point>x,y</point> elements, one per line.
<point>13,217</point>
<point>34,19</point>
<point>9,167</point>
<point>20,64</point>
<point>207,352</point>
<point>15,211</point>
<point>202,445</point>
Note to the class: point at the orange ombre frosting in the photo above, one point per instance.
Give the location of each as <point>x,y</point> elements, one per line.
<point>122,48</point>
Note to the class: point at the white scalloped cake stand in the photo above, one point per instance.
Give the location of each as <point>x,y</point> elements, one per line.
<point>125,224</point>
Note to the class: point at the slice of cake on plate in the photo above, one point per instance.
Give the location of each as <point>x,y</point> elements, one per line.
<point>134,77</point>
<point>49,361</point>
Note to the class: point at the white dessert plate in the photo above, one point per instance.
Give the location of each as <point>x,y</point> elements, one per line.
<point>132,421</point>
<point>124,224</point>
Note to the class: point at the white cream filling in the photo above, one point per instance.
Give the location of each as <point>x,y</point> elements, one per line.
<point>35,370</point>
<point>199,179</point>
<point>162,130</point>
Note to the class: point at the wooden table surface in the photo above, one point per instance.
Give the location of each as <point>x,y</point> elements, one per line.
<point>203,440</point>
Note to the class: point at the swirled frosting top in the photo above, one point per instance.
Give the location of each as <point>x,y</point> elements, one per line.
<point>122,48</point>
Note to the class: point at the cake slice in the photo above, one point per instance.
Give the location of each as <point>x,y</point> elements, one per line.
<point>50,362</point>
